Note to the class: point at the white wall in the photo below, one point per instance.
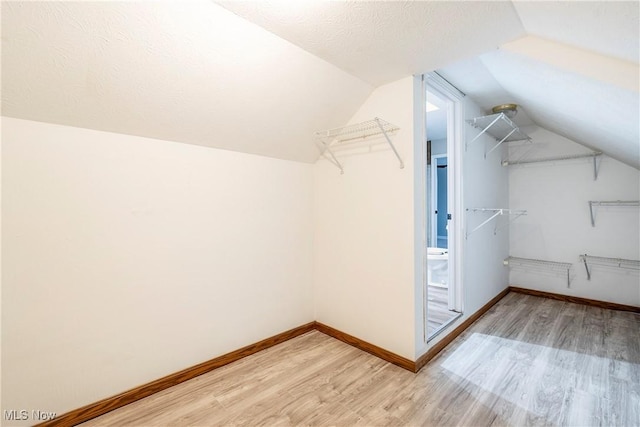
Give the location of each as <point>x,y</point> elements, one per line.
<point>486,185</point>
<point>367,239</point>
<point>364,232</point>
<point>438,146</point>
<point>126,259</point>
<point>558,225</point>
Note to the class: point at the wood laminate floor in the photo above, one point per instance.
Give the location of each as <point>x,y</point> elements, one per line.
<point>438,312</point>
<point>527,361</point>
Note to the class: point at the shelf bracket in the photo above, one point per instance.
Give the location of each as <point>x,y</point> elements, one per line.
<point>384,132</point>
<point>485,222</point>
<point>497,212</point>
<point>341,137</point>
<point>631,264</point>
<point>586,267</point>
<point>516,216</point>
<point>500,143</point>
<point>334,160</point>
<point>482,132</point>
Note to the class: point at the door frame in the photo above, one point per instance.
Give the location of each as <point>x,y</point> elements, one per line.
<point>434,83</point>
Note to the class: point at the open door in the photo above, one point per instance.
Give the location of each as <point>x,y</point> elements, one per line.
<point>443,252</point>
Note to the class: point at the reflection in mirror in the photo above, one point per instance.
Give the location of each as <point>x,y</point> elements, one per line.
<point>440,302</point>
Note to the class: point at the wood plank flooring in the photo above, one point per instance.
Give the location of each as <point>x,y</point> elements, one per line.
<point>527,361</point>
<point>438,312</point>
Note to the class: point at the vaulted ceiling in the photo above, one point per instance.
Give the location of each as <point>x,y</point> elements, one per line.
<point>383,41</point>
<point>261,77</point>
<point>575,74</point>
<point>182,71</point>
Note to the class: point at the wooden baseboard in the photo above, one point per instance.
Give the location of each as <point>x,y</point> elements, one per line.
<point>103,406</point>
<point>368,347</point>
<point>577,300</point>
<point>440,345</point>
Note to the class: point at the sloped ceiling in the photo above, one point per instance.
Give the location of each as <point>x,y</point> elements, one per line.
<point>190,72</point>
<point>195,72</point>
<point>606,27</point>
<point>572,66</point>
<point>383,41</point>
<point>577,74</point>
<point>588,111</point>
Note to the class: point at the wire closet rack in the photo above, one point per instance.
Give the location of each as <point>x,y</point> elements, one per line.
<point>595,155</point>
<point>341,136</point>
<point>500,127</point>
<point>531,262</point>
<point>630,264</point>
<point>496,213</point>
<point>626,203</point>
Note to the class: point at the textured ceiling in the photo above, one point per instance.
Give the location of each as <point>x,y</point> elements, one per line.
<point>583,85</point>
<point>474,79</point>
<point>190,72</point>
<point>197,73</point>
<point>383,41</point>
<point>605,27</point>
<point>593,113</point>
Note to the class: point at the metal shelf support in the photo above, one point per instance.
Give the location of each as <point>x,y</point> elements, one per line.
<point>630,264</point>
<point>496,212</point>
<point>393,147</point>
<point>473,122</point>
<point>593,203</point>
<point>498,126</point>
<point>540,263</point>
<point>340,137</point>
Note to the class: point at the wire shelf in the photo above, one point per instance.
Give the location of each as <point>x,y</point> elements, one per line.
<point>498,126</point>
<point>496,212</point>
<point>356,131</point>
<point>630,264</point>
<point>593,155</point>
<point>537,262</point>
<point>551,159</point>
<point>332,138</point>
<point>615,203</point>
<point>531,262</point>
<point>626,203</point>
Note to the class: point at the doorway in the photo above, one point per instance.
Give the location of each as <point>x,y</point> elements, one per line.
<point>439,193</point>
<point>443,284</point>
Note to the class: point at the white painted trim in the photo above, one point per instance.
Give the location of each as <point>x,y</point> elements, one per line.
<point>420,215</point>
<point>455,140</point>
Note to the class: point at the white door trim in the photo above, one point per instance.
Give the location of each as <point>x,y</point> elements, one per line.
<point>455,143</point>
